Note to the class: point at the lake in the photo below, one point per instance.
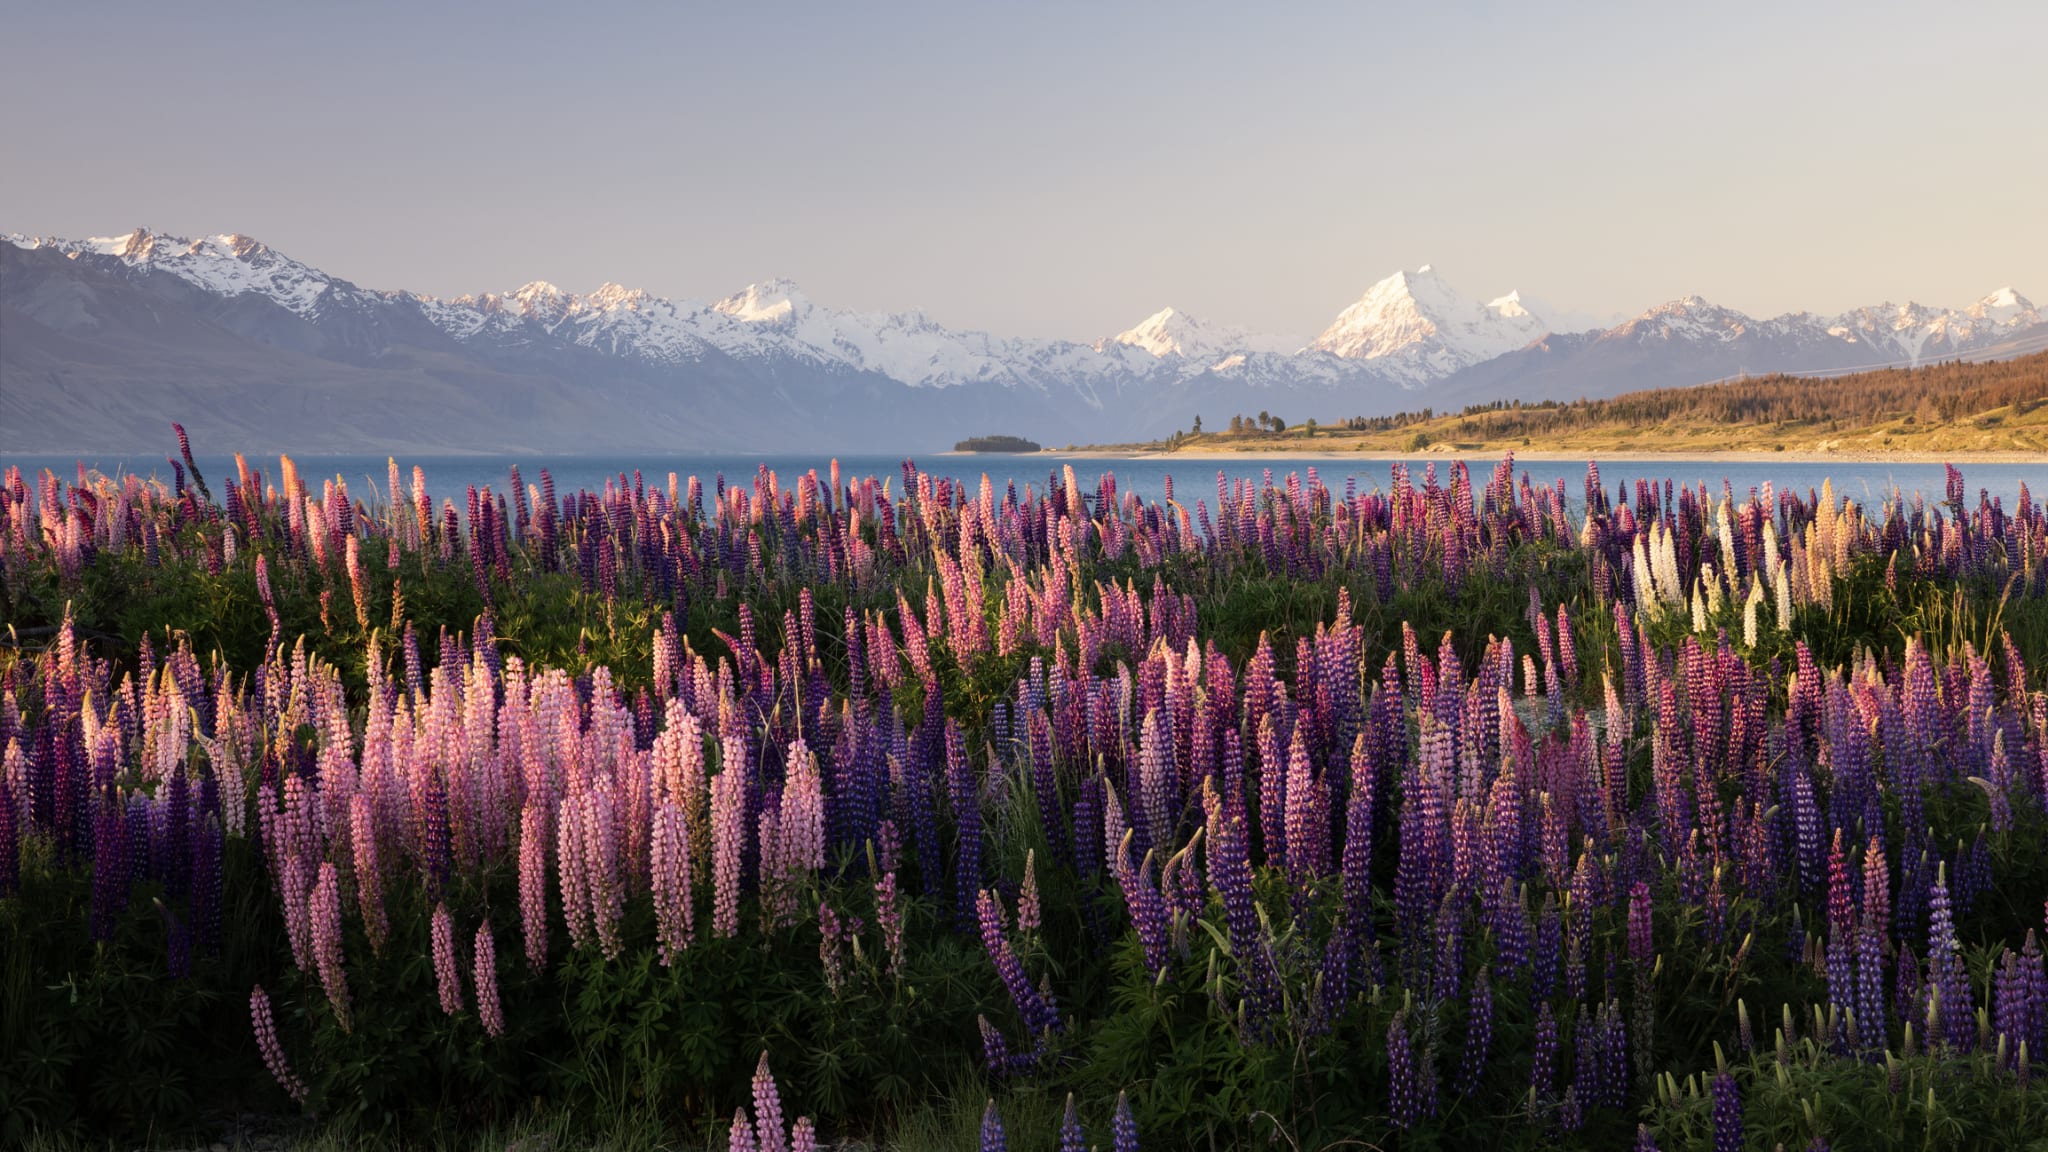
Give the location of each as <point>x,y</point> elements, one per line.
<point>448,476</point>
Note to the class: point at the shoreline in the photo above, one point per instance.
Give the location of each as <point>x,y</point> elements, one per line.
<point>1551,455</point>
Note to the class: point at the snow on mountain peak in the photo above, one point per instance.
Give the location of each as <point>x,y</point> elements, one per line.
<point>776,301</point>
<point>1418,328</point>
<point>2004,307</point>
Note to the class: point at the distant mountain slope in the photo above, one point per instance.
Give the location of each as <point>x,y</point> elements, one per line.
<point>103,341</point>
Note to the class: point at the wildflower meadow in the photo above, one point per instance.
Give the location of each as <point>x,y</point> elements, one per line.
<point>1461,812</point>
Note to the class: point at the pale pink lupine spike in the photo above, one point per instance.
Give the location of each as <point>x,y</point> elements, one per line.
<point>533,883</point>
<point>768,1130</point>
<point>447,977</point>
<point>488,1008</point>
<point>323,910</point>
<point>272,1049</point>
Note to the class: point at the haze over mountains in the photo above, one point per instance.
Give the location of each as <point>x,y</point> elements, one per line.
<point>104,341</point>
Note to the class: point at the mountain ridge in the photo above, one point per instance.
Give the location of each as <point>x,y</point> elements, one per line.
<point>726,368</point>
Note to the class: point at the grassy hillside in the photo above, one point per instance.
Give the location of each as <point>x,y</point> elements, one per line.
<point>1949,408</point>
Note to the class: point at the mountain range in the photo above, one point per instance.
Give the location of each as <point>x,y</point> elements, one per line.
<point>104,341</point>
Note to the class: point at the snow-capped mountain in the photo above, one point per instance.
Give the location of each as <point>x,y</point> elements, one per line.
<point>130,317</point>
<point>1172,333</point>
<point>1415,328</point>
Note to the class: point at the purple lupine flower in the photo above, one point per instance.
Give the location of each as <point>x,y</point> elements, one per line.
<point>1040,1016</point>
<point>1123,1128</point>
<point>1950,1010</point>
<point>446,976</point>
<point>965,792</point>
<point>1072,1139</point>
<point>1478,1032</point>
<point>803,1135</point>
<point>1230,874</point>
<point>1403,1080</point>
<point>1727,1114</point>
<point>992,1139</point>
<point>273,1051</point>
<point>488,1007</point>
<point>1543,1069</point>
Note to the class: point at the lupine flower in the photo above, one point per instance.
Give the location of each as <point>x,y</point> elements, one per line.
<point>488,1007</point>
<point>273,1051</point>
<point>323,911</point>
<point>1727,1114</point>
<point>1027,897</point>
<point>446,975</point>
<point>1478,1032</point>
<point>1039,1014</point>
<point>1403,1080</point>
<point>741,1138</point>
<point>1123,1128</point>
<point>1072,1139</point>
<point>1543,1069</point>
<point>992,1139</point>
<point>533,883</point>
<point>889,917</point>
<point>728,845</point>
<point>768,1130</point>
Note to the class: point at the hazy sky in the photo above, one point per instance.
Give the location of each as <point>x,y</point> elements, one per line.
<point>1061,169</point>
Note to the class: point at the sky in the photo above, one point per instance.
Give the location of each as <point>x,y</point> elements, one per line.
<point>1061,169</point>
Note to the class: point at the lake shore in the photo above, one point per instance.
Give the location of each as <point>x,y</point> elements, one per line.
<point>1741,456</point>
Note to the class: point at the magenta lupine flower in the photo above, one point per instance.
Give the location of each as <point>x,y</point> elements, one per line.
<point>273,1051</point>
<point>889,916</point>
<point>533,882</point>
<point>447,977</point>
<point>768,1130</point>
<point>1641,944</point>
<point>1727,1114</point>
<point>488,1007</point>
<point>323,911</point>
<point>728,847</point>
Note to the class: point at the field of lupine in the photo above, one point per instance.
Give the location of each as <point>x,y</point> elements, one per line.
<point>1462,813</point>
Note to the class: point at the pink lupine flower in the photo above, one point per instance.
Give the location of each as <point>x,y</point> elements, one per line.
<point>601,852</point>
<point>574,871</point>
<point>889,915</point>
<point>533,883</point>
<point>323,911</point>
<point>768,1110</point>
<point>803,1137</point>
<point>446,975</point>
<point>273,1051</point>
<point>742,1137</point>
<point>1028,913</point>
<point>488,1007</point>
<point>369,876</point>
<point>728,844</point>
<point>675,918</point>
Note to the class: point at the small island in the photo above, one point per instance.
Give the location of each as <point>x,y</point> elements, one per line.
<point>1008,444</point>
